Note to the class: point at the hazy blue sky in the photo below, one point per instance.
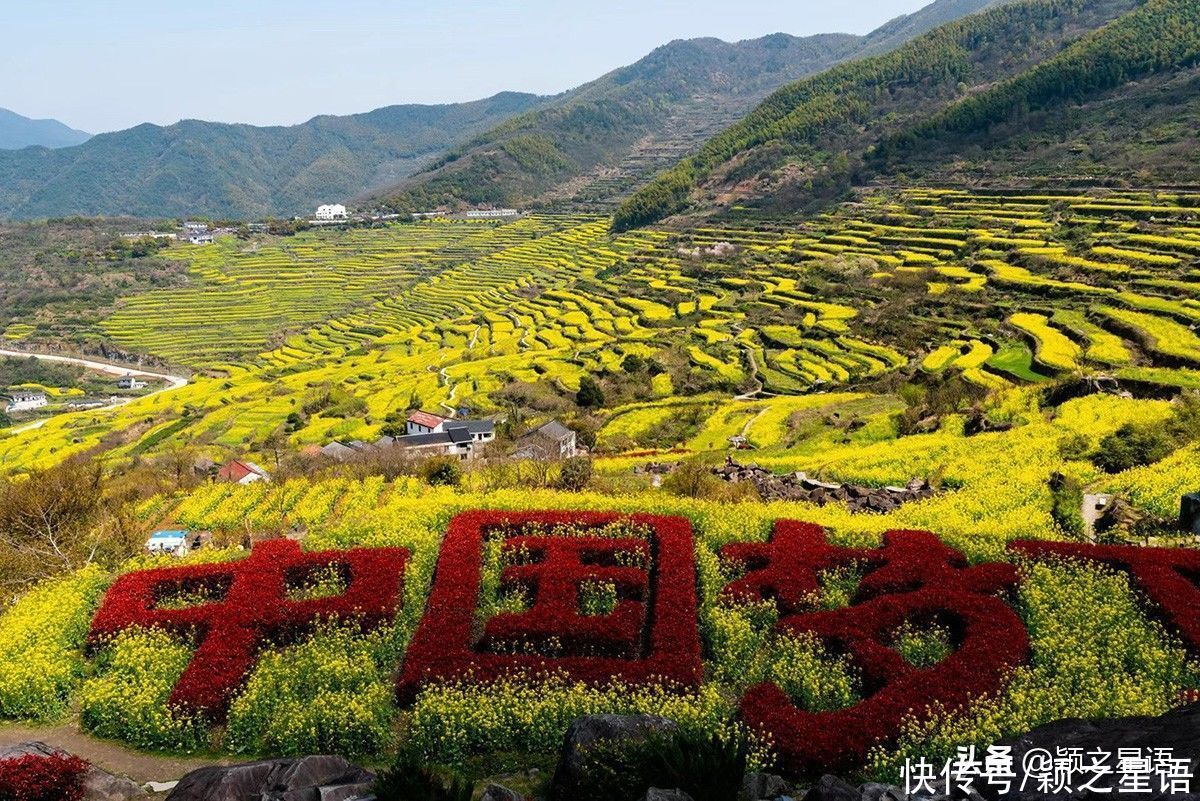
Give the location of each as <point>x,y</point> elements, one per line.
<point>107,64</point>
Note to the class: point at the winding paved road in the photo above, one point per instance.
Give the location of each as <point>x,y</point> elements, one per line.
<point>173,381</point>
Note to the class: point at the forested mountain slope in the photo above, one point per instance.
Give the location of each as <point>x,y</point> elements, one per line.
<point>813,138</point>
<point>652,110</point>
<point>597,143</point>
<point>1113,85</point>
<point>17,132</point>
<point>196,167</point>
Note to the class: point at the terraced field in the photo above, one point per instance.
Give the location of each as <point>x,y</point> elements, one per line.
<point>1000,289</point>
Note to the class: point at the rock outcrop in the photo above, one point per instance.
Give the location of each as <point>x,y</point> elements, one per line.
<point>799,487</point>
<point>312,778</point>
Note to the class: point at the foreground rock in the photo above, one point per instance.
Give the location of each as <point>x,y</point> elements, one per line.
<point>313,778</point>
<point>758,786</point>
<point>98,785</point>
<point>569,776</point>
<point>1178,730</point>
<point>799,487</point>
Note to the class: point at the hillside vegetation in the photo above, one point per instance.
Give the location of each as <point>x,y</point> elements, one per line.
<point>643,112</point>
<point>1010,68</point>
<point>597,143</point>
<point>330,334</point>
<point>239,171</point>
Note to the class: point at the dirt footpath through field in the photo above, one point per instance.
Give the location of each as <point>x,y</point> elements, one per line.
<point>112,757</point>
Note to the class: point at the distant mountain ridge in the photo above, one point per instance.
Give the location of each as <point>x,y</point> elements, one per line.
<point>1090,91</point>
<point>241,171</point>
<point>17,132</point>
<point>590,146</point>
<point>598,142</point>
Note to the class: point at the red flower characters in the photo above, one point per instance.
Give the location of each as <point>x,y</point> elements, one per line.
<point>912,578</point>
<point>1167,576</point>
<point>244,604</point>
<point>649,634</point>
<point>37,777</point>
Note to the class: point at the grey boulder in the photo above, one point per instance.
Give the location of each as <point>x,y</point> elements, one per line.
<point>657,794</point>
<point>498,792</point>
<point>312,778</point>
<point>760,786</point>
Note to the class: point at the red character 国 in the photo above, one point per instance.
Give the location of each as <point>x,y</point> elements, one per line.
<point>649,634</point>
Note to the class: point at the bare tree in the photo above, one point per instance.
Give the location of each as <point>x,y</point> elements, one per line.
<point>58,520</point>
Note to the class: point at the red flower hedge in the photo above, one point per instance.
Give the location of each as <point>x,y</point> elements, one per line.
<point>34,777</point>
<point>913,577</point>
<point>248,606</point>
<point>1167,576</point>
<point>652,632</point>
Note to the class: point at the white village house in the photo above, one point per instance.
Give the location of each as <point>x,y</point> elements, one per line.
<point>130,382</point>
<point>426,435</point>
<point>332,211</point>
<point>23,400</point>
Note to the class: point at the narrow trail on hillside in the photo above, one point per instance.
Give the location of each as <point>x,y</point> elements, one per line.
<point>523,342</point>
<point>750,423</point>
<point>753,394</point>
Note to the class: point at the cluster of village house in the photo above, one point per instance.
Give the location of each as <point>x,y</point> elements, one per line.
<point>425,435</point>
<point>196,233</point>
<point>28,400</point>
<point>200,233</point>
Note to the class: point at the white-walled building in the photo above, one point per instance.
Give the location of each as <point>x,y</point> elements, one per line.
<point>332,211</point>
<point>491,214</point>
<point>23,400</point>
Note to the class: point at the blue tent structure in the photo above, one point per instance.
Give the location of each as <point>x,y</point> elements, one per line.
<point>166,541</point>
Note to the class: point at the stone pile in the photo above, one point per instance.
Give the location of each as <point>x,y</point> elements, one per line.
<point>799,487</point>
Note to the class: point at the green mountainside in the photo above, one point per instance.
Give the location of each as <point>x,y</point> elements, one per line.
<point>1017,91</point>
<point>196,167</point>
<point>18,132</point>
<point>606,136</point>
<point>597,143</point>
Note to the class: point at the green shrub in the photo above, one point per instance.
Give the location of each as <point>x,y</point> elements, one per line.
<point>576,474</point>
<point>707,768</point>
<point>1134,446</point>
<point>1067,508</point>
<point>589,396</point>
<point>442,471</point>
<point>411,779</point>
